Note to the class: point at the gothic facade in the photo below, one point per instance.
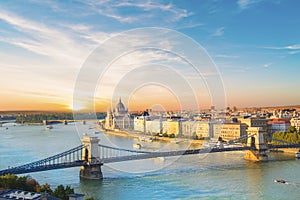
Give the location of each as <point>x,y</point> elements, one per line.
<point>118,118</point>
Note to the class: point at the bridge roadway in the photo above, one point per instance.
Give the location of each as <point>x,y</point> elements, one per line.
<point>73,157</point>
<point>49,163</point>
<point>53,162</point>
<point>42,168</point>
<point>171,153</point>
<point>283,146</point>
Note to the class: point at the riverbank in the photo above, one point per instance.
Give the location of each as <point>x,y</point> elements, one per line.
<point>139,135</point>
<point>289,150</point>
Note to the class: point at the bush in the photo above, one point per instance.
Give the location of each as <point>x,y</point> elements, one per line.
<point>11,181</point>
<point>165,135</point>
<point>62,192</point>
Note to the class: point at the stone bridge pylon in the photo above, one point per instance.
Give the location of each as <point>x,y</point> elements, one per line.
<point>92,162</point>
<point>256,141</point>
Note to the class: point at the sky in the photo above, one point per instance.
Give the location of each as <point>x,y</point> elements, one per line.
<point>46,47</point>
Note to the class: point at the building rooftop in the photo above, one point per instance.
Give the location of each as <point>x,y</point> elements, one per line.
<point>20,194</point>
<point>76,195</point>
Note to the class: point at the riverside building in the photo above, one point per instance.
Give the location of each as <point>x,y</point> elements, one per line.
<point>296,123</point>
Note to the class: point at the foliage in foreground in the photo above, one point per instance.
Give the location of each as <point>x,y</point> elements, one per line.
<point>11,181</point>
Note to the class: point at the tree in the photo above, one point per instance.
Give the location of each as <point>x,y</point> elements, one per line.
<point>292,129</point>
<point>32,184</point>
<point>11,181</point>
<point>45,188</point>
<point>165,135</point>
<point>62,192</point>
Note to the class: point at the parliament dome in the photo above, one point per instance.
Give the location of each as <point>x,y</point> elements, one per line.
<point>120,107</point>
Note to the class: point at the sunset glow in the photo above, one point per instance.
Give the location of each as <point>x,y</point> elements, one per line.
<point>44,45</point>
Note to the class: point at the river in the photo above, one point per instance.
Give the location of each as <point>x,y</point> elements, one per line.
<point>213,176</point>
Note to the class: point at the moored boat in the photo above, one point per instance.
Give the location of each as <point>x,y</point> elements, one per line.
<point>48,127</point>
<point>137,146</point>
<point>146,139</point>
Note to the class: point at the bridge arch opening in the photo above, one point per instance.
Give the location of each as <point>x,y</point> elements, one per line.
<point>252,143</point>
<point>86,155</point>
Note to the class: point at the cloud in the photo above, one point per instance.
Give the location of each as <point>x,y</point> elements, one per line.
<point>142,11</point>
<point>219,32</point>
<point>293,47</point>
<point>267,65</point>
<point>288,47</point>
<point>68,42</point>
<point>86,32</point>
<point>189,25</point>
<point>225,56</point>
<point>244,4</point>
<point>53,5</point>
<point>294,52</point>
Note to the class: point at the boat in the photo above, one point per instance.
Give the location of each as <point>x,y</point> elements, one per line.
<point>137,146</point>
<point>159,159</point>
<point>96,132</point>
<point>297,155</point>
<point>48,127</point>
<point>174,141</point>
<point>280,181</point>
<point>209,144</point>
<point>146,139</point>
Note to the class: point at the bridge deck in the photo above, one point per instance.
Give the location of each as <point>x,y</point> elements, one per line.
<point>74,158</point>
<point>283,146</point>
<point>172,153</point>
<point>42,168</point>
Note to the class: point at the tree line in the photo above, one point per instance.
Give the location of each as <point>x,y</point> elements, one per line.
<point>11,181</point>
<point>291,136</point>
<point>39,117</point>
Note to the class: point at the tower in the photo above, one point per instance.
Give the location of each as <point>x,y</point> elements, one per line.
<point>256,141</point>
<point>109,121</point>
<point>91,157</point>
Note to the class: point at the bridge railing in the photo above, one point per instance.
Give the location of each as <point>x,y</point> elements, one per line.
<point>113,152</point>
<point>240,139</point>
<point>282,146</point>
<point>140,156</point>
<point>66,158</point>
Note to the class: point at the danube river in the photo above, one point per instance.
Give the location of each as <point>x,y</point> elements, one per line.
<point>214,176</point>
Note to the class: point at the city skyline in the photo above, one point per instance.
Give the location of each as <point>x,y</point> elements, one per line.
<point>43,45</point>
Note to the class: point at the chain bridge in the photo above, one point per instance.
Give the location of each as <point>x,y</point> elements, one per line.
<point>91,155</point>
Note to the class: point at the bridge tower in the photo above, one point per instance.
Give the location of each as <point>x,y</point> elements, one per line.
<point>256,140</point>
<point>90,154</point>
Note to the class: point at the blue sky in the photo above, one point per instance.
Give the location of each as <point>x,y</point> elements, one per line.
<point>254,43</point>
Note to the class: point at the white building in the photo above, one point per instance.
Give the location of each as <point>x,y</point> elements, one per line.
<point>295,122</point>
<point>278,125</point>
<point>189,128</point>
<point>205,129</point>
